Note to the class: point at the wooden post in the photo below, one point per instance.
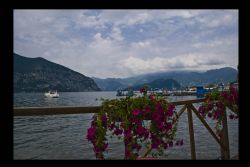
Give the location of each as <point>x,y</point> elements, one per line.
<point>225,153</point>
<point>191,133</point>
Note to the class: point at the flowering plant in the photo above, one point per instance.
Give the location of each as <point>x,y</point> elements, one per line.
<point>216,103</point>
<point>126,118</point>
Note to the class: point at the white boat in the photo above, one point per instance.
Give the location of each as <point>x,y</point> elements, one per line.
<point>52,94</point>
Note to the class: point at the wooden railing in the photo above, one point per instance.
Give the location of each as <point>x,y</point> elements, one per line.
<point>188,106</point>
<point>223,141</point>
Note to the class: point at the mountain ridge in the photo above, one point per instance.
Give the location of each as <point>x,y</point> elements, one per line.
<point>39,75</point>
<point>168,84</point>
<point>185,78</point>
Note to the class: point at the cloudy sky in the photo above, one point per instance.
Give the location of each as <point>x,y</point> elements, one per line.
<point>122,43</point>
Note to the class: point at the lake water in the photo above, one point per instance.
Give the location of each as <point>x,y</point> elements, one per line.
<point>64,136</point>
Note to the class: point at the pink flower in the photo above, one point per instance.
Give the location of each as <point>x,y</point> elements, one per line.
<point>169,126</point>
<point>158,107</point>
<point>170,110</point>
<point>231,116</point>
<point>118,131</point>
<point>171,107</point>
<point>156,116</point>
<point>160,125</point>
<point>112,126</point>
<point>91,134</point>
<point>136,121</point>
<point>147,109</point>
<point>202,110</point>
<point>151,97</point>
<point>104,121</point>
<point>127,153</point>
<point>141,131</point>
<point>220,105</point>
<point>127,137</point>
<point>136,112</point>
<point>209,115</point>
<point>142,90</point>
<point>155,144</point>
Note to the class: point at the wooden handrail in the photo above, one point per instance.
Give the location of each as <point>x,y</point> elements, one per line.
<point>177,103</point>
<point>33,111</point>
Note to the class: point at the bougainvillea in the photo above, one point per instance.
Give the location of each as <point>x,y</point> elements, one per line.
<point>147,119</point>
<point>216,104</point>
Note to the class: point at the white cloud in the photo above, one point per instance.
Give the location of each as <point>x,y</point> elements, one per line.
<point>125,17</point>
<point>218,18</point>
<point>116,34</point>
<point>184,62</point>
<point>120,43</point>
<point>140,44</point>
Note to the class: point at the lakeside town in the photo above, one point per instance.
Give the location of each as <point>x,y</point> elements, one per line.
<point>199,91</point>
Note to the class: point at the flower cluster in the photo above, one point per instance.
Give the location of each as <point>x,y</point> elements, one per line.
<point>216,103</point>
<point>98,127</point>
<point>144,90</point>
<point>140,120</point>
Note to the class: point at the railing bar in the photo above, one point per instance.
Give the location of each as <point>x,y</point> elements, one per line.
<point>32,111</point>
<point>147,152</point>
<point>224,133</point>
<point>191,133</point>
<point>188,101</point>
<point>207,126</point>
<point>180,113</point>
<point>230,108</point>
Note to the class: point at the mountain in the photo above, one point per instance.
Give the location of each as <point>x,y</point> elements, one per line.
<point>40,75</point>
<point>185,78</point>
<point>109,84</point>
<point>160,83</point>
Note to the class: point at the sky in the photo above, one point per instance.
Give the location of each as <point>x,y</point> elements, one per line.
<point>124,43</point>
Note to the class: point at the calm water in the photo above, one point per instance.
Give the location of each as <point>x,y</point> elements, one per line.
<point>64,136</point>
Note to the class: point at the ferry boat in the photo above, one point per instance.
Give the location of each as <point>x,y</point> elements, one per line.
<point>52,93</point>
<point>120,93</point>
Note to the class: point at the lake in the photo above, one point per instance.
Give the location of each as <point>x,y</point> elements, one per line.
<point>64,136</point>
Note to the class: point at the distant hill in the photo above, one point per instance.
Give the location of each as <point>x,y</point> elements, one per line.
<point>184,78</point>
<point>40,75</point>
<point>160,83</point>
<point>109,84</point>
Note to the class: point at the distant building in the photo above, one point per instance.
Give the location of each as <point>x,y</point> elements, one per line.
<point>200,91</point>
<point>221,86</point>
